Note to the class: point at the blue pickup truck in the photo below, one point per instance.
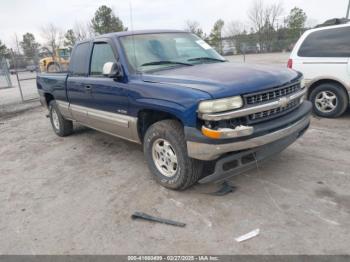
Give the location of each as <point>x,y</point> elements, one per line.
<point>198,117</point>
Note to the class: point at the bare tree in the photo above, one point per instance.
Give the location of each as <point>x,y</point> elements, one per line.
<point>191,26</point>
<point>234,28</point>
<point>256,15</point>
<point>232,31</point>
<point>80,31</point>
<point>273,12</point>
<point>15,43</point>
<point>264,19</point>
<point>83,31</point>
<point>195,28</point>
<point>53,36</point>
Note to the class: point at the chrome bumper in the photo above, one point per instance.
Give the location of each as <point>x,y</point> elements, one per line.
<point>208,152</point>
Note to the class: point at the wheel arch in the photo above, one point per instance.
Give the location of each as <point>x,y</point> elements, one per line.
<point>147,117</point>
<point>318,82</point>
<point>48,98</point>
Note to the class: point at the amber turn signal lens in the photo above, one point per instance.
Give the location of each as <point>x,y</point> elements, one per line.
<point>211,133</point>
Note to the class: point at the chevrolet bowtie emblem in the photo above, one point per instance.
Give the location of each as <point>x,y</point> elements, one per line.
<point>283,101</point>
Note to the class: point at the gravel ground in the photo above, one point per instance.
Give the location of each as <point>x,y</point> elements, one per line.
<point>75,195</point>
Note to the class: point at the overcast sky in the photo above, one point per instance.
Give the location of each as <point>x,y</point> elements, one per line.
<point>21,16</point>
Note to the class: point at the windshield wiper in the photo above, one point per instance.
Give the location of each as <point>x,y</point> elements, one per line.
<point>204,58</point>
<point>165,62</point>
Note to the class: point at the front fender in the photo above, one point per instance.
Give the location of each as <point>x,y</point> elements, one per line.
<point>187,115</point>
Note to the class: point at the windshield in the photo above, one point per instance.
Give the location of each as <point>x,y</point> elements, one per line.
<point>163,50</point>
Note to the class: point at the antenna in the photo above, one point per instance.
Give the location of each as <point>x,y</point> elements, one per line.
<point>133,39</point>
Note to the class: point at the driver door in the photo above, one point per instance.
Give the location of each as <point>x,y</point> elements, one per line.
<point>109,107</point>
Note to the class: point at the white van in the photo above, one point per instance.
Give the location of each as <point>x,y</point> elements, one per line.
<point>323,56</point>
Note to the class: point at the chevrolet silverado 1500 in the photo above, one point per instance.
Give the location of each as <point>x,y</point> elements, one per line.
<point>171,92</point>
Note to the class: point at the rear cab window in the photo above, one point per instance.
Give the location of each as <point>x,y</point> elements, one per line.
<point>333,42</point>
<point>79,64</point>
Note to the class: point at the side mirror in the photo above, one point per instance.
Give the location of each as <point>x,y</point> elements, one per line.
<point>112,70</point>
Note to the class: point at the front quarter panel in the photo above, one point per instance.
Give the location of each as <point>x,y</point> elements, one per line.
<point>179,101</point>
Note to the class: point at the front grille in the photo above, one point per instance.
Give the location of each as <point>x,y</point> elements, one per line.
<point>271,94</point>
<point>276,112</point>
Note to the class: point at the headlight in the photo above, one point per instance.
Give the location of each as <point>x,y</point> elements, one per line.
<point>302,82</point>
<point>220,105</point>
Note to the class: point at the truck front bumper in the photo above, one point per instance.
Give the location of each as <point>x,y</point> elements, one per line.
<point>242,154</point>
<point>296,122</point>
<point>211,151</point>
<point>237,163</point>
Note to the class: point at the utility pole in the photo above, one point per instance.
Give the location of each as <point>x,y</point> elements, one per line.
<point>347,12</point>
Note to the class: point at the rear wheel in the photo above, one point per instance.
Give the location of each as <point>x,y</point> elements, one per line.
<point>166,155</point>
<point>329,100</point>
<point>60,126</point>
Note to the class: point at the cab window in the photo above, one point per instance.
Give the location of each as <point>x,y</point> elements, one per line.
<point>101,54</point>
<point>80,59</point>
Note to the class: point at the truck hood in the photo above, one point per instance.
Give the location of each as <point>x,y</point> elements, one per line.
<point>225,79</point>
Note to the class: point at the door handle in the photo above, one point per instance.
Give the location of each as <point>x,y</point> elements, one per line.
<point>88,88</point>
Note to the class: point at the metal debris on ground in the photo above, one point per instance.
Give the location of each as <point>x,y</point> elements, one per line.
<point>249,235</point>
<point>144,216</point>
<point>224,190</point>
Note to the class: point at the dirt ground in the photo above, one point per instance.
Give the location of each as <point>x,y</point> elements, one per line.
<point>75,195</point>
<point>12,95</point>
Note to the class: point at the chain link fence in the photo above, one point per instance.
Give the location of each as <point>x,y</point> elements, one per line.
<point>246,44</point>
<point>5,78</point>
<point>18,73</point>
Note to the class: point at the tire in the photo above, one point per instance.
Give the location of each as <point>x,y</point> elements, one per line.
<point>329,100</point>
<point>53,68</point>
<point>186,171</point>
<point>60,126</point>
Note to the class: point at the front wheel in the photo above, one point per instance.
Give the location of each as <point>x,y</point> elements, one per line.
<point>166,155</point>
<point>329,100</point>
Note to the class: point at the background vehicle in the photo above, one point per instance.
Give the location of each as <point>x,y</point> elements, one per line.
<point>323,56</point>
<point>59,61</point>
<point>32,68</point>
<point>173,93</point>
<point>18,70</point>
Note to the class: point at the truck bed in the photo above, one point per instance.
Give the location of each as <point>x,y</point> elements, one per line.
<point>54,84</point>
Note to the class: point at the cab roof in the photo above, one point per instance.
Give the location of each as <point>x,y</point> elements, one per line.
<point>129,33</point>
<point>138,32</point>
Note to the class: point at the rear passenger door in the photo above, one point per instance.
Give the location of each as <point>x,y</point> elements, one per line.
<point>109,108</point>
